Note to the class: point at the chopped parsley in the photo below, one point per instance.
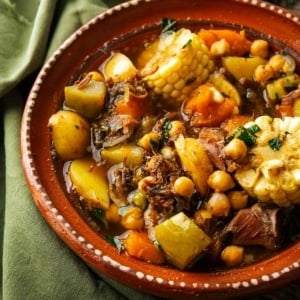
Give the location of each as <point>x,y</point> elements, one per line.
<point>247,135</point>
<point>154,145</point>
<point>116,242</point>
<point>168,25</point>
<point>98,214</point>
<point>253,129</point>
<point>275,143</point>
<point>166,129</point>
<point>189,42</point>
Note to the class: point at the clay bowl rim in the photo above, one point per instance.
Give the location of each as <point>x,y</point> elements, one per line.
<point>66,222</point>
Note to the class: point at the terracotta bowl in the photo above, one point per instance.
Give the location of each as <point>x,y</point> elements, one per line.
<point>86,48</point>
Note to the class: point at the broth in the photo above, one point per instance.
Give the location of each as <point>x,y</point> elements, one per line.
<point>206,151</point>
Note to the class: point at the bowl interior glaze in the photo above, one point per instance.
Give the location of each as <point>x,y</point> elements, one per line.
<point>86,49</point>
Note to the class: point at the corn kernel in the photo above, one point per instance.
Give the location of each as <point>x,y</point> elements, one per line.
<point>179,56</point>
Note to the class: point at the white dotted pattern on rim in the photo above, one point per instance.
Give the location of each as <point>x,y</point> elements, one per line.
<point>88,245</point>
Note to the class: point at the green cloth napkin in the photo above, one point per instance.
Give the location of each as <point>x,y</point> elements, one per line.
<point>36,264</point>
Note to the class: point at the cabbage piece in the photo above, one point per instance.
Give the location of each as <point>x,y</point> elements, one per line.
<point>181,240</point>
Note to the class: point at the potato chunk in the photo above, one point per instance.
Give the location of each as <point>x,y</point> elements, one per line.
<point>89,180</point>
<point>241,67</point>
<point>194,161</point>
<point>130,154</point>
<point>88,100</point>
<point>70,134</point>
<point>181,240</point>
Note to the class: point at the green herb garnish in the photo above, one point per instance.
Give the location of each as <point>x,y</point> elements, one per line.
<point>275,143</point>
<point>253,129</point>
<point>168,25</point>
<point>247,135</point>
<point>166,129</point>
<point>111,240</point>
<point>116,242</point>
<point>154,145</point>
<point>98,213</point>
<point>189,42</point>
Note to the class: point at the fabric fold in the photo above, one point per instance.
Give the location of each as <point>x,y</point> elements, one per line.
<point>24,33</point>
<point>36,264</point>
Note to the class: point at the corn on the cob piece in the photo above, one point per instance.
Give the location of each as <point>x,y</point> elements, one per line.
<point>180,64</point>
<point>273,172</point>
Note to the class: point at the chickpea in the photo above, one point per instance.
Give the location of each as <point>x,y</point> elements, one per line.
<point>232,255</point>
<point>184,186</point>
<point>276,62</point>
<point>148,139</point>
<point>202,218</point>
<point>218,205</point>
<point>259,48</point>
<point>220,181</point>
<point>219,48</point>
<point>167,152</point>
<point>238,199</point>
<point>263,73</point>
<point>112,214</point>
<point>133,219</point>
<point>236,149</point>
<point>177,127</point>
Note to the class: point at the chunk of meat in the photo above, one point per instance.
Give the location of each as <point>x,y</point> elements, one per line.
<point>120,184</point>
<point>258,225</point>
<point>213,140</point>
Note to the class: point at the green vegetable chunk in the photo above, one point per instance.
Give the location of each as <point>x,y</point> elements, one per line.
<point>88,100</point>
<point>181,240</point>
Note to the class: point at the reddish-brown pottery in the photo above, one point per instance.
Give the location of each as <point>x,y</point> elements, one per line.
<point>85,49</point>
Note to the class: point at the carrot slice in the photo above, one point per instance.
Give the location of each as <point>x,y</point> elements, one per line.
<point>138,244</point>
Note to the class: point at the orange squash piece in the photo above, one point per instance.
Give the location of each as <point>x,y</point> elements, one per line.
<point>138,244</point>
<point>239,44</point>
<point>235,121</point>
<point>131,104</point>
<point>203,110</point>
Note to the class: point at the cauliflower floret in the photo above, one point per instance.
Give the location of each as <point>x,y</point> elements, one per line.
<point>271,170</point>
